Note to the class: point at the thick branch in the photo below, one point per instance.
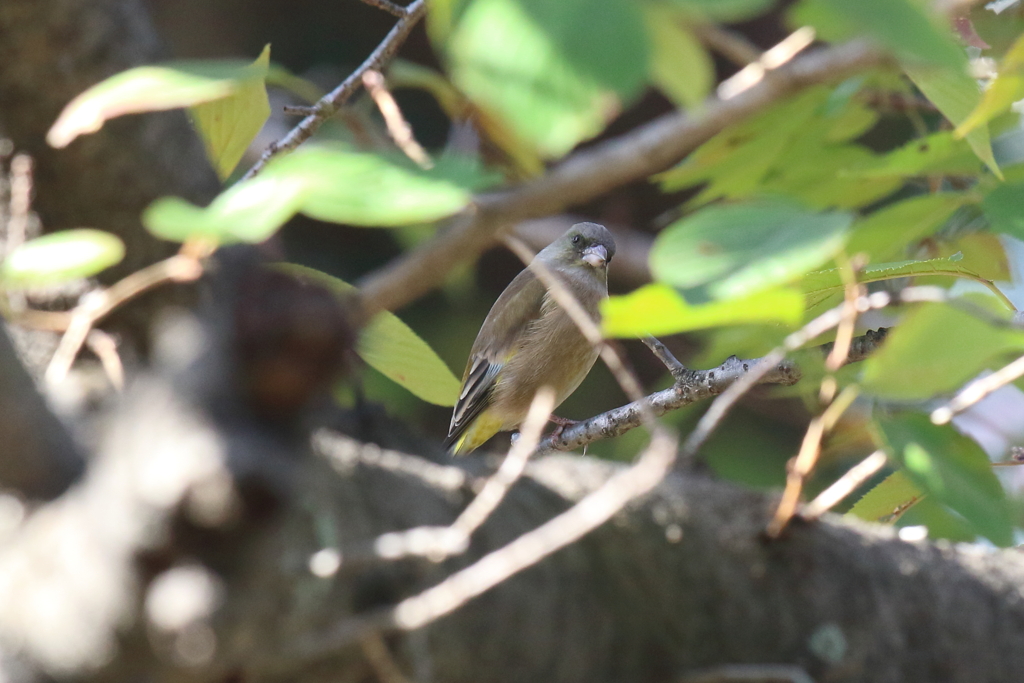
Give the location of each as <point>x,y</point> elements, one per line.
<point>595,170</point>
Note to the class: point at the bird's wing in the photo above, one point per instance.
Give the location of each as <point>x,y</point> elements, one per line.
<point>510,317</point>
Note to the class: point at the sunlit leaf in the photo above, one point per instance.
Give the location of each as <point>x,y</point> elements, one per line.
<point>151,88</point>
<point>884,234</point>
<point>328,183</point>
<point>229,124</point>
<point>1007,88</point>
<point>59,257</point>
<point>951,467</point>
<point>893,495</point>
<point>680,66</point>
<point>956,95</point>
<point>554,72</point>
<point>249,211</point>
<point>659,309</point>
<point>733,251</point>
<point>935,349</point>
<point>390,347</point>
<point>371,190</point>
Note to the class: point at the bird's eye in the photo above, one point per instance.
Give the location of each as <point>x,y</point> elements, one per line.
<point>576,239</point>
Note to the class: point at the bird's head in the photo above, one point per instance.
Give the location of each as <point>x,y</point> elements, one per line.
<point>584,244</point>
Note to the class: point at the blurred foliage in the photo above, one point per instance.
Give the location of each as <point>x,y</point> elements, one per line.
<point>886,179</point>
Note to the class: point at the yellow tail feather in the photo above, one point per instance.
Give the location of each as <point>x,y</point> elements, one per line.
<point>486,425</point>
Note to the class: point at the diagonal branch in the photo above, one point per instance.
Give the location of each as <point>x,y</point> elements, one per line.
<point>690,386</point>
<point>588,173</point>
<point>330,103</point>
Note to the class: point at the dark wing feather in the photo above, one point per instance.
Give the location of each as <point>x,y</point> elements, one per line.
<point>510,316</point>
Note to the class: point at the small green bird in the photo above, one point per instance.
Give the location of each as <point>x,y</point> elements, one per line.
<point>528,341</point>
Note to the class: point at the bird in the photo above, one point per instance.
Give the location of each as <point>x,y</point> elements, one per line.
<point>528,341</point>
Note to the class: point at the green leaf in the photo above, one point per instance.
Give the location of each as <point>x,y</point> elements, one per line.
<point>951,467</point>
<point>1004,207</point>
<point>1007,88</point>
<point>936,154</point>
<point>554,72</point>
<point>371,190</point>
<point>798,149</point>
<point>60,257</point>
<point>824,283</point>
<point>390,347</point>
<point>885,234</point>
<point>902,26</point>
<point>888,499</point>
<point>733,251</point>
<point>659,309</point>
<point>229,124</point>
<point>249,211</point>
<point>328,183</point>
<point>680,66</point>
<point>956,95</point>
<point>726,10</point>
<point>935,349</point>
<point>151,88</point>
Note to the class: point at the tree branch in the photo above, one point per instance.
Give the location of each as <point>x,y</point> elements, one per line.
<point>330,103</point>
<point>598,169</point>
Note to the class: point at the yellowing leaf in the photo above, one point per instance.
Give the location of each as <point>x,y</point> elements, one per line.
<point>886,501</point>
<point>680,66</point>
<point>229,124</point>
<point>1007,88</point>
<point>150,88</point>
<point>956,95</point>
<point>390,347</point>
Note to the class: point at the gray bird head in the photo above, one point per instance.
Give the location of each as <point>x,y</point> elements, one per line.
<point>586,244</point>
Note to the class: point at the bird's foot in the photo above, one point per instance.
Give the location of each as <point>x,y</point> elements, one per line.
<point>562,423</point>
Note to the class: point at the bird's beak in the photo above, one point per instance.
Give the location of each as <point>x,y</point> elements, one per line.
<point>595,256</point>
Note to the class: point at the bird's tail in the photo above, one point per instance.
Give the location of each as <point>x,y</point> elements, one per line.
<point>476,435</point>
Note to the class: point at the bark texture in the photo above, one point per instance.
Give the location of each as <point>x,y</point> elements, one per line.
<point>191,492</point>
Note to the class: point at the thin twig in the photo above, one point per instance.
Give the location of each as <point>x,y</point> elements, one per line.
<point>806,459</point>
<point>20,203</point>
<point>105,348</point>
<point>493,492</point>
<point>977,390</point>
<point>96,305</point>
<point>440,543</point>
<point>845,485</point>
<point>593,171</point>
<point>398,127</point>
<point>675,368</point>
<point>389,7</point>
<point>383,663</point>
<point>332,101</point>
